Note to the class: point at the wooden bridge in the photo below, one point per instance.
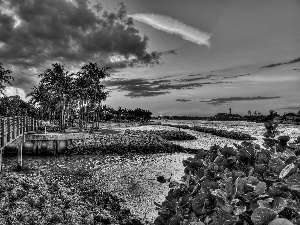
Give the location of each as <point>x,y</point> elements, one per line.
<point>12,128</point>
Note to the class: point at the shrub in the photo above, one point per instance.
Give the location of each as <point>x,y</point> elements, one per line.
<point>242,185</point>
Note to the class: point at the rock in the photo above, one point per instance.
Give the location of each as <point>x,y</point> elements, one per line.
<point>281,221</point>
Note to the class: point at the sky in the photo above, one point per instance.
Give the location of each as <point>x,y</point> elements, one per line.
<point>172,57</point>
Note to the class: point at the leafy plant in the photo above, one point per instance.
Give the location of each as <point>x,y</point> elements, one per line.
<point>242,185</point>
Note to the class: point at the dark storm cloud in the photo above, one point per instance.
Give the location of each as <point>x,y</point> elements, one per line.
<point>196,78</point>
<point>242,75</point>
<point>280,64</point>
<point>145,88</point>
<point>183,100</point>
<point>193,75</point>
<point>58,30</point>
<point>146,94</point>
<point>124,82</point>
<point>219,101</point>
<point>160,81</point>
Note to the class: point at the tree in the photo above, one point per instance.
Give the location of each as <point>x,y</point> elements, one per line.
<point>91,75</point>
<point>55,89</point>
<point>42,99</point>
<point>15,106</point>
<point>81,86</point>
<point>4,78</point>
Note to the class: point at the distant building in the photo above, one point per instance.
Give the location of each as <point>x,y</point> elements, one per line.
<point>220,116</point>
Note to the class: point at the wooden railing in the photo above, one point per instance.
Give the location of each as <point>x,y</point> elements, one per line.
<point>11,128</point>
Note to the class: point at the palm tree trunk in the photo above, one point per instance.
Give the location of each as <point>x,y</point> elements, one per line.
<point>49,114</point>
<point>63,115</point>
<point>67,115</point>
<point>80,114</point>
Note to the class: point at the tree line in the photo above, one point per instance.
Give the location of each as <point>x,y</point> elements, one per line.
<point>62,97</point>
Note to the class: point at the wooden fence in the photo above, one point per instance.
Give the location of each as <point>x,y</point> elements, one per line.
<point>12,128</point>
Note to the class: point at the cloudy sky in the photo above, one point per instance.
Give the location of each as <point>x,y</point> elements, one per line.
<point>173,57</point>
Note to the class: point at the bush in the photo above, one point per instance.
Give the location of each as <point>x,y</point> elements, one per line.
<point>131,142</point>
<point>242,185</point>
<point>51,199</point>
<point>171,135</point>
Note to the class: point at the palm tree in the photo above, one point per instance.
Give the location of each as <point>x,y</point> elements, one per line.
<point>42,98</point>
<point>81,84</point>
<point>95,90</point>
<point>58,85</point>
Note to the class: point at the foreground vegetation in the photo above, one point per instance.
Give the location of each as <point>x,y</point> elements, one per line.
<point>243,185</point>
<point>141,142</point>
<point>248,184</point>
<point>60,196</point>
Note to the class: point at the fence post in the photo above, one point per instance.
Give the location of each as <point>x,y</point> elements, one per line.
<point>26,124</point>
<point>21,125</point>
<point>20,149</point>
<point>34,124</point>
<point>0,159</point>
<point>31,124</point>
<point>18,126</point>
<point>13,127</point>
<point>2,141</point>
<point>8,129</point>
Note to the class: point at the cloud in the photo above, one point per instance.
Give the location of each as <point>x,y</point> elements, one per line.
<point>193,75</point>
<point>219,101</point>
<point>146,87</point>
<point>146,93</point>
<point>183,100</point>
<point>173,26</point>
<point>196,78</point>
<point>12,91</point>
<point>242,75</point>
<point>280,64</point>
<point>70,32</point>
